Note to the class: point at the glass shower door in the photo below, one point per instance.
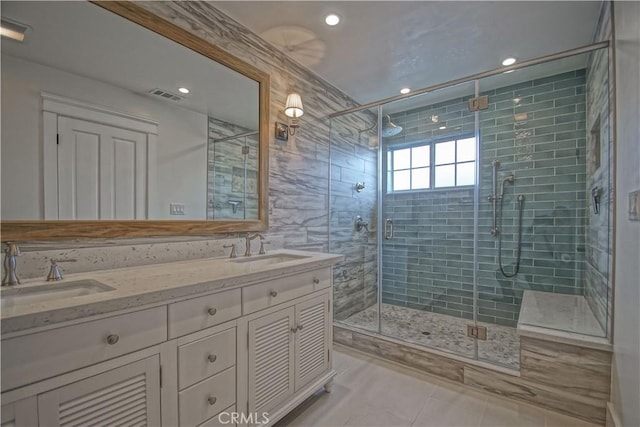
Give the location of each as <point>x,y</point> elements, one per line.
<point>535,179</point>
<point>353,199</point>
<point>427,180</point>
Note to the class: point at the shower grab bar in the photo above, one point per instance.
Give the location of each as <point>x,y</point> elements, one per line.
<point>388,229</point>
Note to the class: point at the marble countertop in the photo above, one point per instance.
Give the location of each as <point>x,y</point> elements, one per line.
<point>150,284</point>
<point>561,318</point>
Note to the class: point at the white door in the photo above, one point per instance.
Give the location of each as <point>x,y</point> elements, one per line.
<point>271,360</point>
<point>102,171</point>
<point>125,396</point>
<point>312,339</point>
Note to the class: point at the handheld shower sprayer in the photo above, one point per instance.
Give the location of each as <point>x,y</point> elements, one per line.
<point>509,179</point>
<point>495,231</point>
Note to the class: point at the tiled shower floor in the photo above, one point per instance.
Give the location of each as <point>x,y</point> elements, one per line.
<point>442,332</point>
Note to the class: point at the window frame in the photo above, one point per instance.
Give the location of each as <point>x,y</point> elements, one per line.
<point>431,143</point>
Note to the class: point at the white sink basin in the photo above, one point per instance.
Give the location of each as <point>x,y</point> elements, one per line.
<point>51,291</point>
<point>262,260</point>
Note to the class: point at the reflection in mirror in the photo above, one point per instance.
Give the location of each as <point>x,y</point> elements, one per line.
<point>104,119</point>
<point>232,171</point>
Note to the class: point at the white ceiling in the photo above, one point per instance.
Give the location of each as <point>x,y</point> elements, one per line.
<point>380,47</point>
<point>86,40</point>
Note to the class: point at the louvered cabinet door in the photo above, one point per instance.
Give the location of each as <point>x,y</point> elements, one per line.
<point>21,413</point>
<point>312,339</point>
<point>271,360</point>
<point>125,396</point>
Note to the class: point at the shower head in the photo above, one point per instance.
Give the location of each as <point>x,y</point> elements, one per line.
<point>389,128</point>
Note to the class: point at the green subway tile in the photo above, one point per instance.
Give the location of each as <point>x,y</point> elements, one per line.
<point>574,82</point>
<point>570,100</point>
<point>555,128</point>
<point>554,78</point>
<point>555,94</point>
<point>556,111</point>
<point>574,117</point>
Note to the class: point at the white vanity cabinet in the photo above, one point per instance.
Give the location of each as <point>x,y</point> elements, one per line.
<point>253,349</point>
<point>287,349</point>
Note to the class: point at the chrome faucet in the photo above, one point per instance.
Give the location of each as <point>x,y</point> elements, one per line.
<point>10,274</point>
<point>248,240</point>
<point>233,253</point>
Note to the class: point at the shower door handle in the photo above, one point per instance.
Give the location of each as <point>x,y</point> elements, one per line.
<point>388,229</point>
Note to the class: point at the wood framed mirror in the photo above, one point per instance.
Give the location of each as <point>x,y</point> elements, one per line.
<point>150,170</point>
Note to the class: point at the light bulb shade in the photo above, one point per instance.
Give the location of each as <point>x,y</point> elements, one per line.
<point>293,107</point>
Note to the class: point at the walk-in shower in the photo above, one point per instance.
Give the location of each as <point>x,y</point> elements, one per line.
<point>474,206</point>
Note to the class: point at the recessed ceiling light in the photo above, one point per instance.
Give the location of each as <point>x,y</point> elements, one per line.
<point>13,30</point>
<point>183,90</point>
<point>509,61</point>
<point>405,90</point>
<point>332,19</point>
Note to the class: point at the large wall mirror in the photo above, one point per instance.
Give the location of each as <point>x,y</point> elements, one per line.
<point>116,123</point>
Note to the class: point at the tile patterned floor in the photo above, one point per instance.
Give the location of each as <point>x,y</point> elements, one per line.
<point>370,392</point>
<point>445,333</point>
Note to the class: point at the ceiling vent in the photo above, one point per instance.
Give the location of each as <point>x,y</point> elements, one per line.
<point>161,93</point>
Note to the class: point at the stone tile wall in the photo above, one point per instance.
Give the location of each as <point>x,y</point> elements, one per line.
<point>599,243</point>
<point>354,155</point>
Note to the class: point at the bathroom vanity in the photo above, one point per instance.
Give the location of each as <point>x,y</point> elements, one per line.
<point>189,343</point>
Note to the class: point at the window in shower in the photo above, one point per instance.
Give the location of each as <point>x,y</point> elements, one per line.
<point>409,167</point>
<point>423,166</point>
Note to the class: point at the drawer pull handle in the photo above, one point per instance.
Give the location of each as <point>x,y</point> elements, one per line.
<point>299,327</point>
<point>212,400</point>
<point>273,294</point>
<point>113,339</point>
<point>212,311</point>
<point>316,281</point>
<point>294,330</point>
<point>212,358</point>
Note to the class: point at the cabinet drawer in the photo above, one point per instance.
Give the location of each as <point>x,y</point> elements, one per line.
<point>203,358</point>
<point>207,398</point>
<point>34,357</point>
<point>273,292</point>
<point>224,418</point>
<point>200,313</point>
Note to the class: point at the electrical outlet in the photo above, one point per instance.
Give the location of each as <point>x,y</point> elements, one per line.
<point>176,209</point>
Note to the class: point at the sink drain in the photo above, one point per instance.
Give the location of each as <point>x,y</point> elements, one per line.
<point>425,333</point>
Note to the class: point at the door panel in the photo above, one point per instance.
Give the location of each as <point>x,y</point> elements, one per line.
<point>127,396</point>
<point>101,171</point>
<point>312,339</point>
<point>271,360</point>
<point>427,219</point>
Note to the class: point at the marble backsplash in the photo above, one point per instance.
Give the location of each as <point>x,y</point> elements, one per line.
<point>35,263</point>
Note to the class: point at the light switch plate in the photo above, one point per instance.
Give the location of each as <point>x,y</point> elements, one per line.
<point>176,209</point>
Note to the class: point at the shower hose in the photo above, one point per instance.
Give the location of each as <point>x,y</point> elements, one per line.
<point>517,267</point>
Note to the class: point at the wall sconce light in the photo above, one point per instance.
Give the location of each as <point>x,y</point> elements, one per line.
<point>293,109</point>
